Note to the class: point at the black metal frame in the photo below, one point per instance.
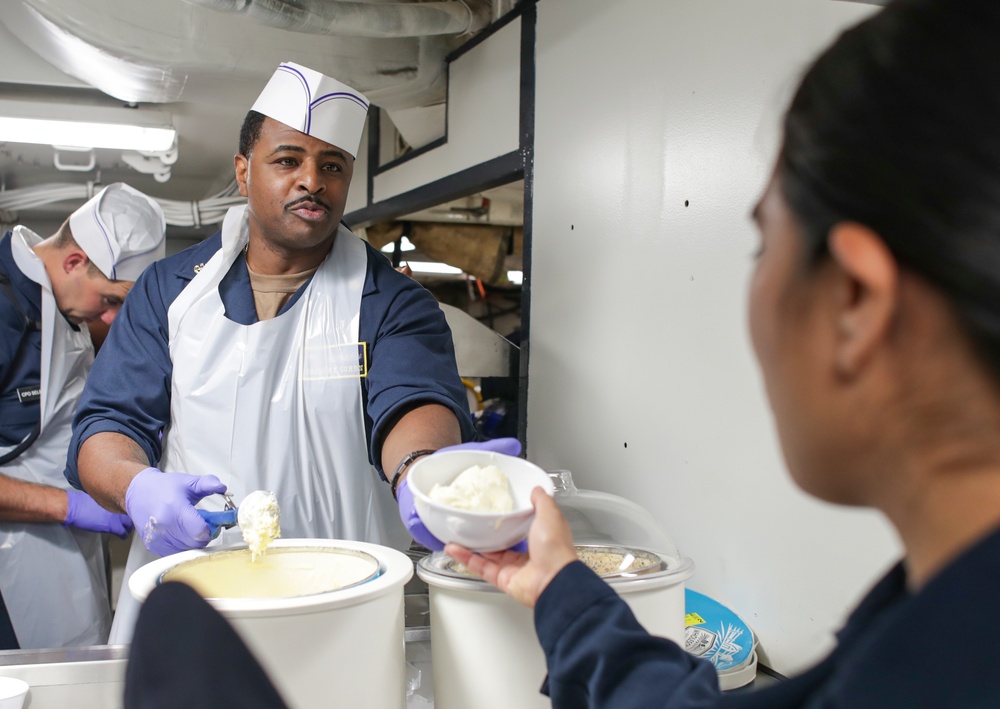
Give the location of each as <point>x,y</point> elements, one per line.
<point>516,165</point>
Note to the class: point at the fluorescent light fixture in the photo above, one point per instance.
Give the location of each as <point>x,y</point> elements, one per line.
<point>85,126</point>
<point>85,135</point>
<point>433,267</point>
<point>515,277</point>
<point>404,245</point>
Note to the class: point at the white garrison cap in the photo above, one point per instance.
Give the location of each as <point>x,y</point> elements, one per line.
<point>121,230</point>
<point>315,104</point>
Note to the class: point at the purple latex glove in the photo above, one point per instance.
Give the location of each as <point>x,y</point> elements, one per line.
<point>408,511</point>
<point>84,513</point>
<point>162,507</point>
<point>507,446</point>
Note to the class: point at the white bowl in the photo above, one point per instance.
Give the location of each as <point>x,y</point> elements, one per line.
<point>478,531</point>
<point>12,692</point>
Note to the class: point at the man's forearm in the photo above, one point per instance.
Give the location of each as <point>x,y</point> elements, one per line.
<point>427,427</point>
<point>107,463</point>
<point>22,501</point>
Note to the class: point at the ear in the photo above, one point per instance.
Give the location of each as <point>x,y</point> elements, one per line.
<point>867,295</point>
<point>75,259</point>
<point>242,164</point>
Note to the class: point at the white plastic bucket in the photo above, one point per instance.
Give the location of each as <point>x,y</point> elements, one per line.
<point>12,692</point>
<point>485,653</point>
<point>342,648</point>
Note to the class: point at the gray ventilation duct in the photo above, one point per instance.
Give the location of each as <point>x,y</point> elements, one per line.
<point>358,19</point>
<point>114,74</point>
<point>161,52</point>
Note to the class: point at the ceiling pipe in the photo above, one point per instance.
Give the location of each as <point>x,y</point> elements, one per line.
<point>149,55</point>
<point>426,86</point>
<point>358,19</point>
<point>131,81</point>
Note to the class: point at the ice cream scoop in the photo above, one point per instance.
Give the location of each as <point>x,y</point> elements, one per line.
<point>222,519</point>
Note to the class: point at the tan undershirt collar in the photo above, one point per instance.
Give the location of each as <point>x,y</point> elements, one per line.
<point>270,293</point>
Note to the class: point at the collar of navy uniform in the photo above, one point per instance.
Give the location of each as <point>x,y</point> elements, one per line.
<point>30,292</point>
<point>235,291</point>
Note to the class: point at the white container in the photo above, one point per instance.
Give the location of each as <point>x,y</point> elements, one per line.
<point>479,531</point>
<point>485,654</point>
<point>12,692</point>
<point>342,648</point>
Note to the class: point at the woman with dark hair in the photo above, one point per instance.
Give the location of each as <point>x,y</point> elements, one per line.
<point>875,317</point>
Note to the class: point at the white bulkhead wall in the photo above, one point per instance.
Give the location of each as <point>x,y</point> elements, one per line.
<point>655,128</point>
<point>482,115</point>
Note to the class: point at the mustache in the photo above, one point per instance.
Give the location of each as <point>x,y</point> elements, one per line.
<point>313,200</point>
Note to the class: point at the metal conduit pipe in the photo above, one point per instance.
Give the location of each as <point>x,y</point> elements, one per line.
<point>427,86</point>
<point>210,210</point>
<point>111,72</point>
<point>358,19</point>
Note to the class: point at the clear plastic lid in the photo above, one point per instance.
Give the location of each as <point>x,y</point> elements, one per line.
<point>602,519</point>
<point>619,540</point>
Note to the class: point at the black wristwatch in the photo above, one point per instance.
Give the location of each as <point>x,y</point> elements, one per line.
<point>404,464</point>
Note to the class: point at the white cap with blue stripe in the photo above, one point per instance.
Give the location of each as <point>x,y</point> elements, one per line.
<point>121,230</point>
<point>316,105</point>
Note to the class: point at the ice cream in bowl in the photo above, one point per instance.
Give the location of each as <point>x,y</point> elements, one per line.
<point>479,499</point>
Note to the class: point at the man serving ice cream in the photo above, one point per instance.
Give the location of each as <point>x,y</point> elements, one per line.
<point>281,354</point>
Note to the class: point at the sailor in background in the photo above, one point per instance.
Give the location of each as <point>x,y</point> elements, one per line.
<point>52,573</point>
<point>282,354</point>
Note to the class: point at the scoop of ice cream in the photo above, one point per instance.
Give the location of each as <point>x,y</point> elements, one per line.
<point>478,489</point>
<point>260,521</point>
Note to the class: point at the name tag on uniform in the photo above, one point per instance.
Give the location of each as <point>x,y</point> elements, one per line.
<point>348,361</point>
<point>29,395</point>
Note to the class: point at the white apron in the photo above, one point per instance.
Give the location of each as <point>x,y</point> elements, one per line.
<point>53,577</point>
<point>275,405</point>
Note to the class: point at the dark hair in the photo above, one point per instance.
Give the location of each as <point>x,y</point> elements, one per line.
<point>897,126</point>
<point>64,238</point>
<point>250,132</point>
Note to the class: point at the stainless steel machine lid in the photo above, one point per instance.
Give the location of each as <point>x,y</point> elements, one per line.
<point>616,565</point>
